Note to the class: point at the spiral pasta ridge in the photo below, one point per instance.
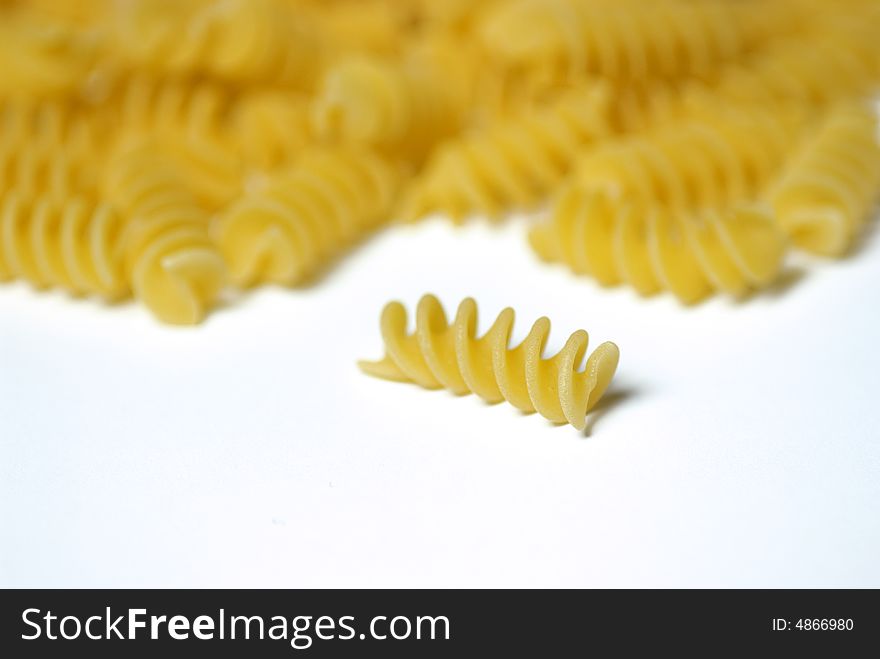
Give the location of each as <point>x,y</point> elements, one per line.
<point>841,62</point>
<point>26,121</point>
<point>828,191</point>
<point>440,354</point>
<point>298,220</point>
<point>625,40</point>
<point>147,106</point>
<point>71,243</point>
<point>514,163</point>
<point>701,163</point>
<point>652,248</point>
<point>169,259</point>
<point>238,40</point>
<point>46,148</point>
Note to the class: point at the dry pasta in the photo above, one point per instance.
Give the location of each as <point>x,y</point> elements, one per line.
<point>829,189</point>
<point>842,61</point>
<point>400,108</point>
<point>299,220</point>
<point>147,147</point>
<point>705,163</point>
<point>148,106</point>
<point>363,27</point>
<point>653,248</point>
<point>239,40</point>
<point>73,244</point>
<point>625,39</point>
<point>170,262</point>
<point>440,354</point>
<point>512,164</point>
<point>271,128</point>
<point>42,58</point>
<point>46,148</point>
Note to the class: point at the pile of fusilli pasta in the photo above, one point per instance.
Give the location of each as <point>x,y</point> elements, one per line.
<point>168,149</point>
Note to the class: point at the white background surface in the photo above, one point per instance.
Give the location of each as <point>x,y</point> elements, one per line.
<point>740,448</point>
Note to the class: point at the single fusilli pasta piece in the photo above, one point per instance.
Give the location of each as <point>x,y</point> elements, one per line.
<point>299,220</point>
<point>169,259</point>
<point>440,354</point>
<point>71,243</point>
<point>654,248</point>
<point>514,163</point>
<point>625,39</point>
<point>829,190</point>
<point>711,162</point>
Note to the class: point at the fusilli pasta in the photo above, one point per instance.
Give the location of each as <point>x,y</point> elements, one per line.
<point>73,244</point>
<point>299,220</point>
<point>829,189</point>
<point>404,109</point>
<point>652,247</point>
<point>631,40</point>
<point>239,40</point>
<point>440,354</point>
<point>513,163</point>
<point>170,261</point>
<point>705,163</point>
<point>271,128</point>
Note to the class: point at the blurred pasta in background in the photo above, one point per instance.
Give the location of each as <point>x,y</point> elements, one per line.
<point>169,150</point>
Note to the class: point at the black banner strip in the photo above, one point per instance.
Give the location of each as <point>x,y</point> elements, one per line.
<point>281,623</point>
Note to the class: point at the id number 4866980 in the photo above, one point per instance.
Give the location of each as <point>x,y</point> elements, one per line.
<point>813,625</point>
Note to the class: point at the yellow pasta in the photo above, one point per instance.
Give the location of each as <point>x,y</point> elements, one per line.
<point>652,248</point>
<point>838,60</point>
<point>271,128</point>
<point>626,39</point>
<point>440,354</point>
<point>38,170</point>
<point>830,188</point>
<point>841,62</point>
<point>46,147</point>
<point>299,220</point>
<point>73,244</point>
<point>169,107</point>
<point>401,108</point>
<point>147,147</point>
<point>240,40</point>
<point>213,170</point>
<point>170,261</point>
<point>456,16</point>
<point>361,26</point>
<point>79,13</point>
<point>513,163</point>
<point>711,162</point>
<point>42,58</point>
